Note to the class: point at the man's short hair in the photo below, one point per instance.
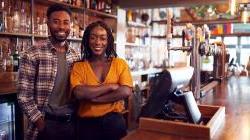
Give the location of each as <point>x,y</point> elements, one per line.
<point>57,7</point>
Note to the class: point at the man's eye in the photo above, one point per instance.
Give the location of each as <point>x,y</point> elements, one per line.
<point>66,23</point>
<point>55,21</point>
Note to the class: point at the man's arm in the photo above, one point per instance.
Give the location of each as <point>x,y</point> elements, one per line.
<point>26,95</point>
<point>90,92</point>
<point>119,94</point>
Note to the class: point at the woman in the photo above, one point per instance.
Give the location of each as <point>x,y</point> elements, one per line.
<point>100,82</point>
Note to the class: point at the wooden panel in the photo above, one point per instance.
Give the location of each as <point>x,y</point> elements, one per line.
<point>215,114</point>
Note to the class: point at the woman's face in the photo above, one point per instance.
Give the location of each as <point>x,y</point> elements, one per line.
<point>98,41</point>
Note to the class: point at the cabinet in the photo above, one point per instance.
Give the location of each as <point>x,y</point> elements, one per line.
<point>23,22</point>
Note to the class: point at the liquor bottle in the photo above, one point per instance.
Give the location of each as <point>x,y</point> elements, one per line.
<point>2,60</point>
<point>16,58</point>
<point>44,26</point>
<point>9,61</point>
<point>9,18</point>
<point>23,20</point>
<point>75,27</point>
<point>3,15</point>
<point>16,18</point>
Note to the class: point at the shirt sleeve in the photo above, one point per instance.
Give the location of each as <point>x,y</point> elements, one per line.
<point>26,85</point>
<point>76,76</point>
<point>125,76</point>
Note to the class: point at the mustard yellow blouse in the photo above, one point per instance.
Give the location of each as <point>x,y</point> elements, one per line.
<point>82,73</point>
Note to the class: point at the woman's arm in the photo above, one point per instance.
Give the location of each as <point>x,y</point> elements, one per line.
<point>119,94</point>
<point>90,92</point>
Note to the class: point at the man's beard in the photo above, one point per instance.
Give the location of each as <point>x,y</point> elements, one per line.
<point>59,38</point>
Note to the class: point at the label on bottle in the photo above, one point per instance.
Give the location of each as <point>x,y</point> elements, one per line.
<point>15,62</point>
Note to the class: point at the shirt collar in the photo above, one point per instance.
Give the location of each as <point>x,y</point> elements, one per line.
<point>53,48</point>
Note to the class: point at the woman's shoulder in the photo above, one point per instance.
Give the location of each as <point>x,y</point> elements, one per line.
<point>119,60</point>
<point>80,63</point>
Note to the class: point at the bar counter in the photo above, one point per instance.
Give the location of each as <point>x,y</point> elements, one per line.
<point>234,94</point>
<point>8,83</point>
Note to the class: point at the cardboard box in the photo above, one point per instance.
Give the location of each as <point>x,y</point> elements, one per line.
<point>213,117</point>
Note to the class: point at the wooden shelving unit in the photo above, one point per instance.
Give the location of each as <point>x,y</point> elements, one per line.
<point>77,9</point>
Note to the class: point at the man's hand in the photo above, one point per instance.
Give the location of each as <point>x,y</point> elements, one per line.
<point>40,124</point>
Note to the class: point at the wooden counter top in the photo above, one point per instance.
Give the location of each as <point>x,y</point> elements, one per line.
<point>8,82</point>
<point>8,88</point>
<point>234,94</point>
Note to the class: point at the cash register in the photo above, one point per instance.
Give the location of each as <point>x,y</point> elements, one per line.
<point>169,90</point>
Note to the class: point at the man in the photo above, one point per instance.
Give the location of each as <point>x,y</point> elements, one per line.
<point>44,81</point>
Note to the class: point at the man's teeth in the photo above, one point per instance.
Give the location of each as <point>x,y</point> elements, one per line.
<point>61,33</point>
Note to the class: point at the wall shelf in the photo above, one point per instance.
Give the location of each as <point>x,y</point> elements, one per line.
<point>15,34</point>
<point>100,14</point>
<point>138,25</point>
<point>135,45</point>
<point>232,34</point>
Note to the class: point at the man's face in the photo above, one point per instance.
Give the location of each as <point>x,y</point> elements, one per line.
<point>98,41</point>
<point>59,25</point>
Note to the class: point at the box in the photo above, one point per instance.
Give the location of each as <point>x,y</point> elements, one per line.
<point>214,116</point>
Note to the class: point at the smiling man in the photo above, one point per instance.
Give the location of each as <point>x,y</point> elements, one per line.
<point>44,81</point>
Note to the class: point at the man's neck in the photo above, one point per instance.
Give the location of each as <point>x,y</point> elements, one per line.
<point>59,46</point>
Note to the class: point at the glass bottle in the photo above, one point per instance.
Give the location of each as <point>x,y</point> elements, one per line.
<point>16,18</point>
<point>9,25</point>
<point>3,15</point>
<point>2,60</point>
<point>9,61</point>
<point>23,20</point>
<point>16,58</point>
<point>44,26</point>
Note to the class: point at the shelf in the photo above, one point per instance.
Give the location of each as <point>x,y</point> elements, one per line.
<point>145,72</point>
<point>159,36</point>
<point>200,22</point>
<point>181,48</point>
<point>232,34</point>
<point>41,36</point>
<point>135,45</point>
<point>137,25</point>
<point>45,37</point>
<point>160,21</point>
<point>77,8</point>
<point>48,2</point>
<point>100,14</point>
<point>75,39</point>
<point>15,34</point>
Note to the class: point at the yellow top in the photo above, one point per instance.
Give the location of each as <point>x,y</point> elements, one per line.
<point>82,74</point>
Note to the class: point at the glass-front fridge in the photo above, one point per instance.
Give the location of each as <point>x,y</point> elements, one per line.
<point>7,120</point>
